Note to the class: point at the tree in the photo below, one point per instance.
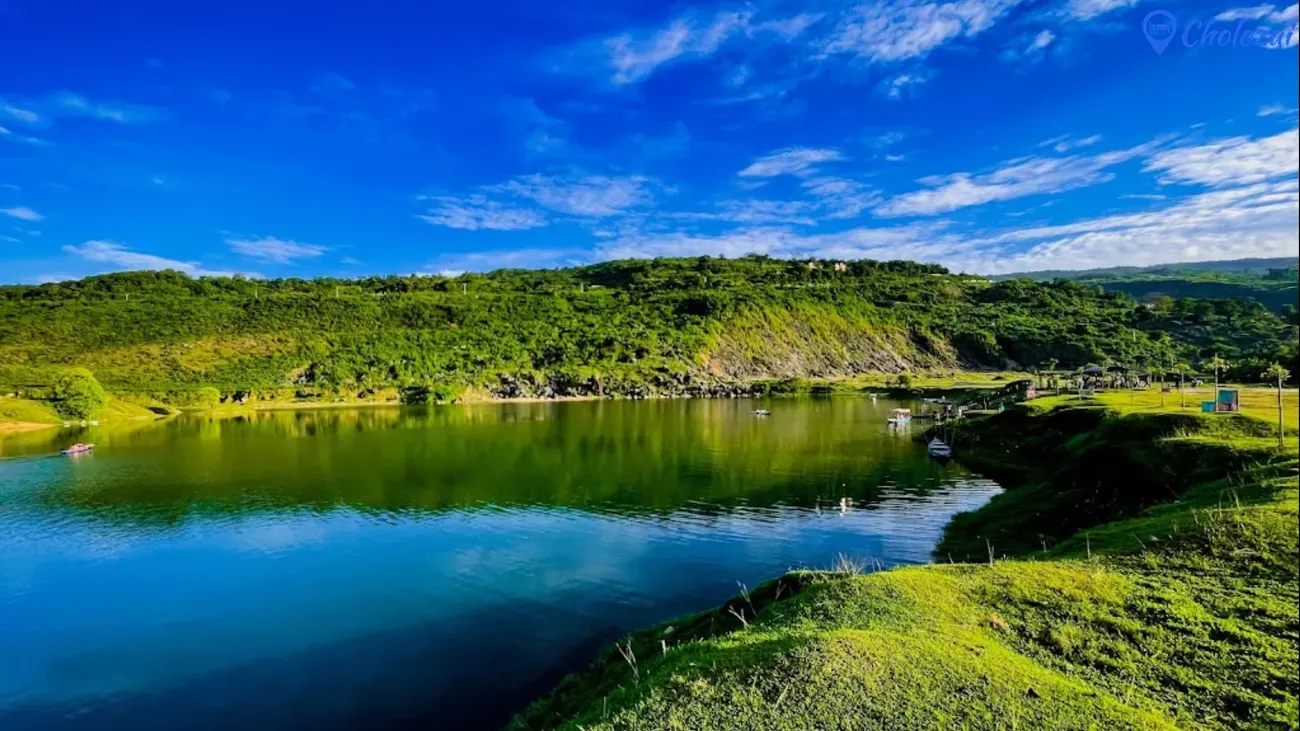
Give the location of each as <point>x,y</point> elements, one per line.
<point>78,395</point>
<point>1218,364</point>
<point>1050,365</point>
<point>1182,369</point>
<point>904,380</point>
<point>1279,375</point>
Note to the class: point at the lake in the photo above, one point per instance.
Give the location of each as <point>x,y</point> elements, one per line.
<point>438,568</point>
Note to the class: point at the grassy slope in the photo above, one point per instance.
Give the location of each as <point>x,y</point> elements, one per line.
<point>1181,617</point>
<point>27,411</point>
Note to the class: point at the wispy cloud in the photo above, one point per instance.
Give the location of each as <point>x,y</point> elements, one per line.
<point>799,161</point>
<point>1233,161</point>
<point>1260,12</point>
<point>1065,143</point>
<point>122,258</point>
<point>1089,9</point>
<point>272,249</point>
<point>594,196</point>
<point>897,30</point>
<point>8,134</point>
<point>532,201</point>
<point>904,84</point>
<point>329,84</point>
<point>477,212</point>
<point>1269,110</point>
<point>22,213</point>
<point>1030,49</point>
<point>67,104</point>
<point>1014,179</point>
<point>634,56</point>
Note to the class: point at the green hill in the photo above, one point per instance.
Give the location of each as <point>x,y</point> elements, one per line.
<point>628,327</point>
<point>1274,283</point>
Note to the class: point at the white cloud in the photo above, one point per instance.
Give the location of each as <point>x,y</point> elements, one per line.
<point>753,212</point>
<point>792,27</point>
<point>122,258</point>
<point>1065,143</point>
<point>1028,48</point>
<point>1089,9</point>
<point>476,212</point>
<point>1233,161</point>
<point>896,30</point>
<point>22,213</point>
<point>1041,41</point>
<point>12,136</point>
<point>1259,12</point>
<point>19,113</point>
<point>76,105</point>
<point>799,161</point>
<point>1014,179</point>
<point>841,198</point>
<point>594,196</point>
<point>903,84</point>
<point>1253,221</point>
<point>1268,110</point>
<point>531,201</point>
<point>269,248</point>
<point>40,112</point>
<point>635,56</point>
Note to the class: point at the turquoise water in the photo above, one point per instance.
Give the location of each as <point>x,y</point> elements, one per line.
<point>386,568</point>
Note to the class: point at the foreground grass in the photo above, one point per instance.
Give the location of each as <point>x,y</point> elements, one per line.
<point>1179,614</point>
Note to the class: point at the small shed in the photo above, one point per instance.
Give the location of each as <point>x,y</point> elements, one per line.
<point>1228,400</point>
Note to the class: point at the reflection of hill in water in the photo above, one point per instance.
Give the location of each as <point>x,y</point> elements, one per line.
<point>607,456</point>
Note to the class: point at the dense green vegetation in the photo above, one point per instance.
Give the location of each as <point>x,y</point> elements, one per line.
<point>1181,614</point>
<point>1270,282</point>
<point>673,326</point>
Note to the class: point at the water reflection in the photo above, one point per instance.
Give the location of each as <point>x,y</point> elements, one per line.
<point>440,566</point>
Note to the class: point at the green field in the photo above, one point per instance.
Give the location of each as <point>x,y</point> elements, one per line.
<point>1179,614</point>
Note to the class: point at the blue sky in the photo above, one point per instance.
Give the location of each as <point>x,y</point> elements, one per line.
<point>298,139</point>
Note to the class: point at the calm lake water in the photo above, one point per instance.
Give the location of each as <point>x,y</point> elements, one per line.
<point>440,568</point>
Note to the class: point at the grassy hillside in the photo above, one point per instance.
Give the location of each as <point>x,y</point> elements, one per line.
<point>1182,616</point>
<point>668,326</point>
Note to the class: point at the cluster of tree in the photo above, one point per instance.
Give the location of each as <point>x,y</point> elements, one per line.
<point>622,322</point>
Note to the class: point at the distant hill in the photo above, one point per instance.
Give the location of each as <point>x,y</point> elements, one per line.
<point>1274,283</point>
<point>1248,267</point>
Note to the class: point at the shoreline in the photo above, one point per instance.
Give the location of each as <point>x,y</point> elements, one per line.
<point>22,427</point>
<point>801,638</point>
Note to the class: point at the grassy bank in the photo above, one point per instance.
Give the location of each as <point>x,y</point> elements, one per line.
<point>17,415</point>
<point>1171,604</point>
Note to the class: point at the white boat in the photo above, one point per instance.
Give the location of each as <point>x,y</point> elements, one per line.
<point>79,449</point>
<point>938,449</point>
<point>900,416</point>
<point>761,412</point>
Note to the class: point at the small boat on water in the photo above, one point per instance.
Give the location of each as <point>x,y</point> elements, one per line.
<point>900,416</point>
<point>761,412</point>
<point>79,449</point>
<point>938,449</point>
